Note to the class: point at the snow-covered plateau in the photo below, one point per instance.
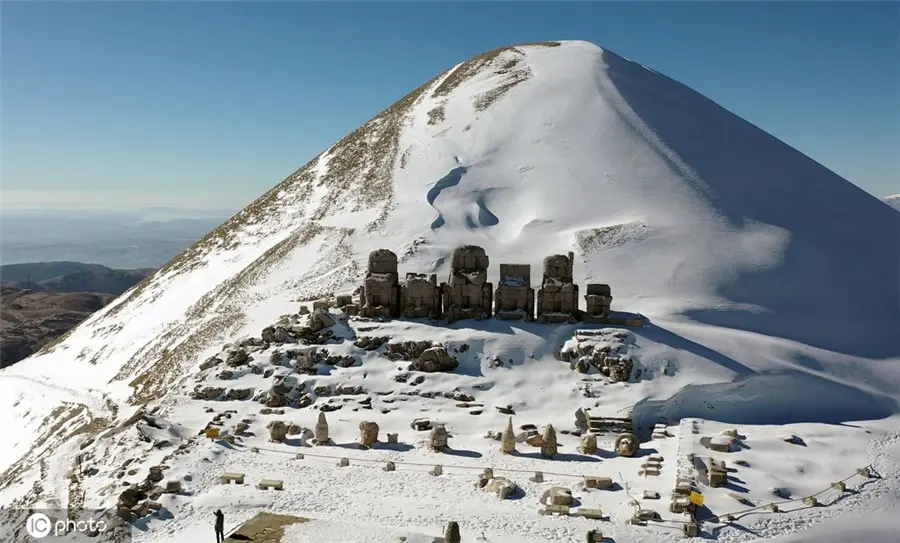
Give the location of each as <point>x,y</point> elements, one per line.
<point>766,286</point>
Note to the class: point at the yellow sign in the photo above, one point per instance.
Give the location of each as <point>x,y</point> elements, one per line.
<point>696,498</point>
<point>212,433</point>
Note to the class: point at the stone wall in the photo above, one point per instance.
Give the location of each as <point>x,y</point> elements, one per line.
<point>514,298</point>
<point>420,297</point>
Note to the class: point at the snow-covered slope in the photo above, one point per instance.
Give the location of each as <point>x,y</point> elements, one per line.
<point>893,201</point>
<point>769,282</point>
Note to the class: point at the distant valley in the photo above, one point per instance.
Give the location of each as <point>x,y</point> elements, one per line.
<point>41,301</point>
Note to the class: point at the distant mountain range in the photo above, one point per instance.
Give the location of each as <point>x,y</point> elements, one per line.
<point>893,201</point>
<point>62,277</point>
<point>41,301</point>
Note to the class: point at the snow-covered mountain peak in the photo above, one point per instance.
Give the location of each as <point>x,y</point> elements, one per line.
<point>749,261</point>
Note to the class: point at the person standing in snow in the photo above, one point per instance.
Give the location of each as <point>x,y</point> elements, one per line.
<point>220,526</point>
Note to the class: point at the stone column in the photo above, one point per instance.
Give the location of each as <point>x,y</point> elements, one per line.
<point>321,433</point>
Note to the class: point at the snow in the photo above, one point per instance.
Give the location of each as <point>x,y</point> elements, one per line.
<point>893,201</point>
<point>769,285</point>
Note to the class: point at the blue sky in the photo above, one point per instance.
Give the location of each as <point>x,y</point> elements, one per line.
<point>208,104</point>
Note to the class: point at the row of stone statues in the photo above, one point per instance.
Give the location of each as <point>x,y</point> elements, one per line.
<point>467,294</point>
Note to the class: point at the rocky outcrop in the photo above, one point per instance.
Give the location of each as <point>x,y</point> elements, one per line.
<point>408,350</point>
<point>435,359</point>
<point>237,358</point>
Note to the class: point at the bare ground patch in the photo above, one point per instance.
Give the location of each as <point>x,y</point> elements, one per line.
<point>592,240</point>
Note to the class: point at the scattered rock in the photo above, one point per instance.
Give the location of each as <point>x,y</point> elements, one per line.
<point>597,482</point>
<point>502,487</point>
<point>557,495</point>
<point>407,350</point>
<point>421,425</point>
<point>435,359</point>
<point>240,393</point>
<point>210,362</point>
<point>237,358</point>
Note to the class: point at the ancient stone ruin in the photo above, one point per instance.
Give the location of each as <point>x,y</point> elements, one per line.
<point>508,439</point>
<point>380,295</point>
<point>548,442</point>
<point>514,298</point>
<point>420,297</point>
<point>598,300</point>
<point>467,293</point>
<point>438,439</point>
<point>321,431</point>
<point>368,433</point>
<point>557,299</point>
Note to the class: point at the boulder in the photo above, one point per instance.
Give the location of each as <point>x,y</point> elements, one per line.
<point>324,318</point>
<point>240,393</point>
<point>210,362</point>
<point>435,359</point>
<point>557,495</point>
<point>421,425</point>
<point>451,533</point>
<point>237,358</point>
<point>502,487</point>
